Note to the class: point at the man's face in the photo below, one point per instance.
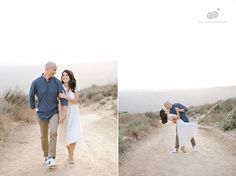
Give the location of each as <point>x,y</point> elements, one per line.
<point>168,105</point>
<point>52,71</point>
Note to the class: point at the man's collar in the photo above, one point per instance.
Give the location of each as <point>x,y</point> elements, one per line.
<point>45,78</point>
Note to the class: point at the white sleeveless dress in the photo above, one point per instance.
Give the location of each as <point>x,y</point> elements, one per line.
<point>185,130</point>
<point>70,129</point>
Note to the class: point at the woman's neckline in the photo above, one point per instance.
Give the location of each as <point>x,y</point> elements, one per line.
<point>66,88</point>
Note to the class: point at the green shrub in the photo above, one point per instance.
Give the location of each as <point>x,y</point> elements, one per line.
<point>229,122</point>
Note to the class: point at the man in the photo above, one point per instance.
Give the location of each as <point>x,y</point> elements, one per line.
<point>182,112</point>
<point>47,89</point>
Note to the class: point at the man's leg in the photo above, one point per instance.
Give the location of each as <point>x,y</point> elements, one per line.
<point>193,142</point>
<point>176,140</point>
<point>53,126</point>
<point>44,135</point>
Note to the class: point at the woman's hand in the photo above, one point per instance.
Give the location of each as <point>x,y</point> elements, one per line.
<point>174,121</point>
<point>63,95</point>
<point>61,119</point>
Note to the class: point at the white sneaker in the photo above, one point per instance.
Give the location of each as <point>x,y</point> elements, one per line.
<point>51,163</point>
<point>195,148</point>
<point>46,160</point>
<point>175,150</point>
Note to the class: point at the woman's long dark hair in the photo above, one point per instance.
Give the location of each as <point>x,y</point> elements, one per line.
<point>72,82</point>
<point>163,116</point>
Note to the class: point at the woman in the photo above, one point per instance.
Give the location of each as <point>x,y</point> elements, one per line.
<point>185,130</point>
<point>69,130</point>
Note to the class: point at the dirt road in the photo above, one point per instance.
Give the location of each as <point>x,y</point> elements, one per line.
<point>97,155</point>
<point>152,156</point>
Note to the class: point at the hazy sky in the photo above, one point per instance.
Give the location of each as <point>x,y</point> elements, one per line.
<point>159,44</point>
<point>179,47</point>
<point>86,74</point>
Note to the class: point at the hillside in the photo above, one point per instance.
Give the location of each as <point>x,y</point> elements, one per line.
<point>137,101</point>
<point>221,114</point>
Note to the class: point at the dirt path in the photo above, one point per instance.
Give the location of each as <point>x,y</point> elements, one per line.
<point>97,155</point>
<point>152,156</point>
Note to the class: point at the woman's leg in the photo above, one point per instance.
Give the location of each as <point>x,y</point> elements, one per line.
<point>68,148</point>
<point>73,148</point>
<point>183,149</point>
<point>71,152</point>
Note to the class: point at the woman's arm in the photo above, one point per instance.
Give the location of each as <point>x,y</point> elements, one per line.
<point>177,111</point>
<point>76,99</point>
<point>59,110</point>
<point>71,100</point>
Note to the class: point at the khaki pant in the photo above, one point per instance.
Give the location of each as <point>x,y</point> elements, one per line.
<point>49,150</point>
<point>177,140</point>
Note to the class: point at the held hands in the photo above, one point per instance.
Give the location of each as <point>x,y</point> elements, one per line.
<point>61,119</point>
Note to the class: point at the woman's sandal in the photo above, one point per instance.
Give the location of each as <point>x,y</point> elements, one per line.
<point>71,162</point>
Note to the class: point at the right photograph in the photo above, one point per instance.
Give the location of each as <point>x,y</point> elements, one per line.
<point>176,124</point>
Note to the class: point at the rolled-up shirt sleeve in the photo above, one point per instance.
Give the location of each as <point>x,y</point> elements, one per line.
<point>180,106</point>
<point>32,95</point>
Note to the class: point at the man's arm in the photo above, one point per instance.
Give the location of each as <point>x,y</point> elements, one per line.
<point>32,93</point>
<point>180,108</point>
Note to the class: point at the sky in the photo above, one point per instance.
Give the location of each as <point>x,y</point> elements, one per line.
<point>160,45</point>
<point>86,74</point>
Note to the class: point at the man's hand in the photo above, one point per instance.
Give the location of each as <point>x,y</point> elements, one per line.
<point>35,110</point>
<point>179,110</point>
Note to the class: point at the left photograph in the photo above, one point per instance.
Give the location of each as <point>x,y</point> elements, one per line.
<point>59,119</point>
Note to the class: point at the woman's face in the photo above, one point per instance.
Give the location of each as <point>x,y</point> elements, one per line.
<point>65,77</point>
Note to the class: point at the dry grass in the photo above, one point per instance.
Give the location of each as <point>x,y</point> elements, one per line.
<point>13,108</point>
<point>97,93</point>
<point>100,97</point>
<point>133,127</point>
<point>14,105</point>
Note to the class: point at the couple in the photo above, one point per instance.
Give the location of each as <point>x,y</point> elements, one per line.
<point>56,104</point>
<point>184,130</point>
